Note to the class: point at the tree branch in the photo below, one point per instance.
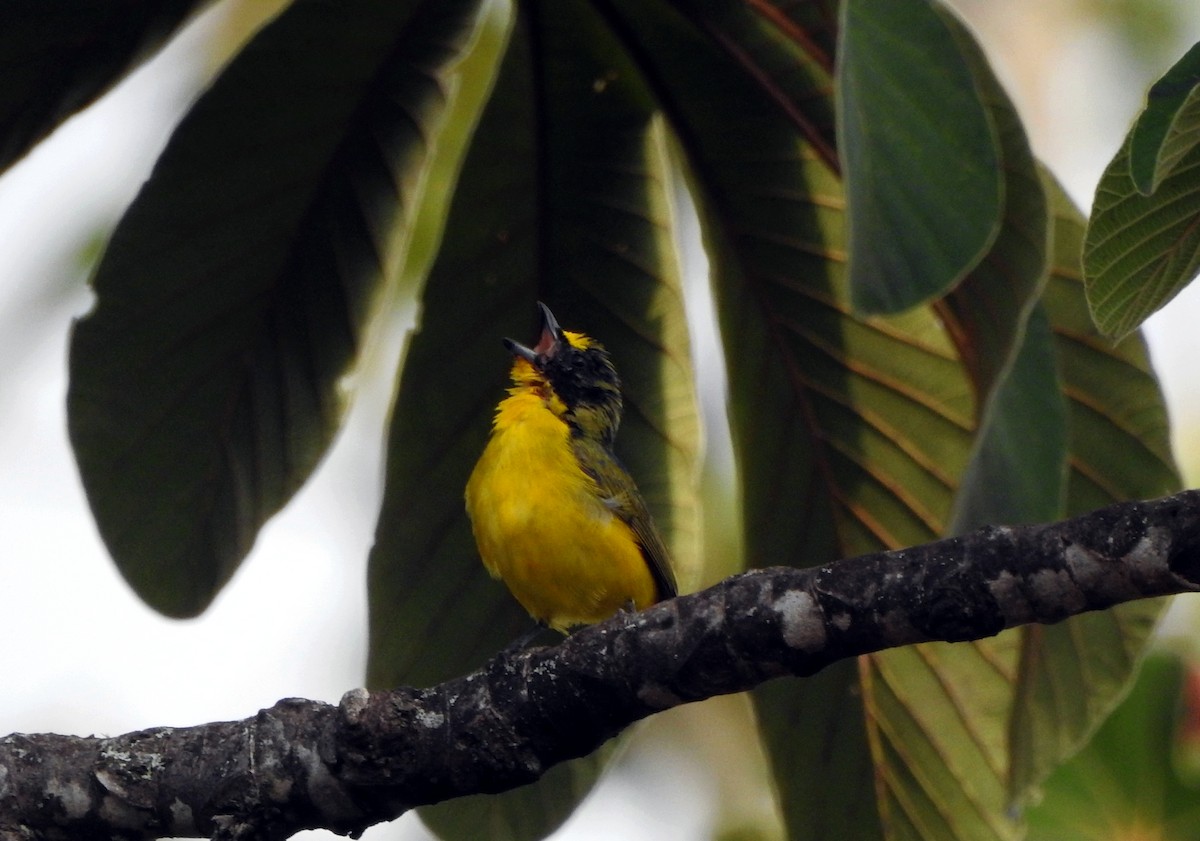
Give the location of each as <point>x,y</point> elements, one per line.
<point>303,764</point>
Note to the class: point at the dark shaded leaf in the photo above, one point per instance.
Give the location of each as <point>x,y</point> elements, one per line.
<point>233,295</point>
<point>58,56</point>
<point>783,56</point>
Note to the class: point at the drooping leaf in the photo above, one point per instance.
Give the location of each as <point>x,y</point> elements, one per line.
<point>998,714</point>
<point>1112,391</point>
<point>1169,125</point>
<point>848,432</point>
<point>579,216</point>
<point>938,715</point>
<point>1140,251</point>
<point>563,197</point>
<point>1074,671</point>
<point>920,154</point>
<point>1017,471</point>
<point>1018,468</point>
<point>851,434</point>
<point>233,295</point>
<point>57,57</point>
<point>424,574</point>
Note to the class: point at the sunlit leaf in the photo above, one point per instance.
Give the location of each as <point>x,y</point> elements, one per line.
<point>1113,393</point>
<point>233,296</point>
<point>938,715</point>
<point>851,434</point>
<point>1074,671</point>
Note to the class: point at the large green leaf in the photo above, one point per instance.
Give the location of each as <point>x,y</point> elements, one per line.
<point>569,203</point>
<point>1113,393</point>
<point>851,434</point>
<point>962,731</point>
<point>1140,251</point>
<point>433,613</point>
<point>1169,125</point>
<point>564,197</point>
<point>920,153</point>
<point>1073,672</point>
<point>57,57</point>
<point>1017,470</point>
<point>848,432</point>
<point>233,296</point>
<point>875,419</point>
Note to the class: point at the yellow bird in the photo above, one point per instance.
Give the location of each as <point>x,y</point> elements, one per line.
<point>555,515</point>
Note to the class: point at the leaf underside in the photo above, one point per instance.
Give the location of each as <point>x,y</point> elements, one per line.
<point>233,294</point>
<point>1142,244</point>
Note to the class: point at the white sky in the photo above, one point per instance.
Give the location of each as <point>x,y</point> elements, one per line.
<point>84,656</point>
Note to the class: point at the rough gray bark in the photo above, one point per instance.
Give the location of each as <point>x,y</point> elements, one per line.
<point>303,764</point>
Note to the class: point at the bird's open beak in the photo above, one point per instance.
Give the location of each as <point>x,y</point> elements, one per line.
<point>548,343</point>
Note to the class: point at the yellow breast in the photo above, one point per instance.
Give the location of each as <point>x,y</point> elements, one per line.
<point>542,527</point>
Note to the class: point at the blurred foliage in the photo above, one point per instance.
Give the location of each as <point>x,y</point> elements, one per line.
<point>1143,26</point>
<point>1137,778</point>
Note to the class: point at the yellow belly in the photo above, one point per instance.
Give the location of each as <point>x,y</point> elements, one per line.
<point>542,528</point>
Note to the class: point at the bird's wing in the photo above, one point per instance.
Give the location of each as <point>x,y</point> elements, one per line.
<point>620,494</point>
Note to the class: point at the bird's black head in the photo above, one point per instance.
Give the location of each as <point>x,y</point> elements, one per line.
<point>585,389</point>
